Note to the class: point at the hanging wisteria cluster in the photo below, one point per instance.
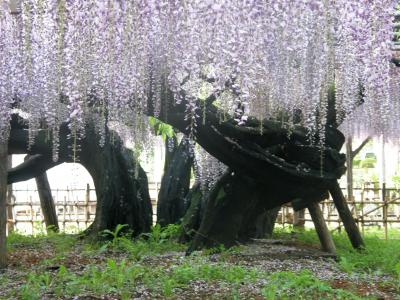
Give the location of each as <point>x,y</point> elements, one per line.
<point>65,59</point>
<point>207,169</point>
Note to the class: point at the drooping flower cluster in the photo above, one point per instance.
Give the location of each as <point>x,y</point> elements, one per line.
<point>121,55</point>
<point>208,169</point>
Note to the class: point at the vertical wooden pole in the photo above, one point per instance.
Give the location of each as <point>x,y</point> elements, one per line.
<point>77,212</point>
<point>64,211</point>
<point>32,214</point>
<point>3,203</point>
<point>323,232</point>
<point>87,210</point>
<point>385,210</point>
<point>345,215</point>
<point>362,211</point>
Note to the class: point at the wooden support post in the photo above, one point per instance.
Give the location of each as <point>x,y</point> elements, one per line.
<point>87,209</point>
<point>32,214</point>
<point>3,203</point>
<point>49,212</point>
<point>385,210</point>
<point>64,212</point>
<point>77,212</point>
<point>323,232</point>
<point>362,210</point>
<point>345,215</point>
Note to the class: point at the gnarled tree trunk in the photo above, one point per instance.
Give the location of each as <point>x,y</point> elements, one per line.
<point>282,162</point>
<point>237,210</point>
<point>192,218</point>
<point>175,185</point>
<point>121,184</point>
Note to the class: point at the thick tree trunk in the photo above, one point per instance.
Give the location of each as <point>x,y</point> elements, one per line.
<point>121,184</point>
<point>121,187</point>
<point>3,204</point>
<point>47,203</point>
<point>171,145</point>
<point>286,163</point>
<point>236,211</point>
<point>265,223</point>
<point>192,218</point>
<point>175,185</point>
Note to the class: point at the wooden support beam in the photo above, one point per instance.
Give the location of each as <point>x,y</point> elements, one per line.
<point>47,203</point>
<point>323,232</point>
<point>345,215</point>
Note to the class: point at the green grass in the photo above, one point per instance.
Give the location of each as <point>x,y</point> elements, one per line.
<point>122,278</point>
<point>158,241</point>
<point>302,285</point>
<point>380,256</point>
<point>61,242</point>
<point>126,268</point>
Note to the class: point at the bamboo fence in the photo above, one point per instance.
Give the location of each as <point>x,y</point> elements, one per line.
<point>76,208</point>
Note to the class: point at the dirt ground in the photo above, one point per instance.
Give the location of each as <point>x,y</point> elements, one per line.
<point>264,255</point>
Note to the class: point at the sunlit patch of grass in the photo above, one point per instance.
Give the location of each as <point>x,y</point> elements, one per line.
<point>122,279</point>
<point>302,285</point>
<point>379,255</point>
<point>61,242</point>
<point>158,241</point>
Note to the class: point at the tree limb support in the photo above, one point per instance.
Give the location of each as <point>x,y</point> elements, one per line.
<point>345,215</point>
<point>322,230</point>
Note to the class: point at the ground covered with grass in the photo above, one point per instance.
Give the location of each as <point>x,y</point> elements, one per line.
<point>288,266</point>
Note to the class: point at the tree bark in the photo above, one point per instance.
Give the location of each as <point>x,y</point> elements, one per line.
<point>298,219</point>
<point>345,215</point>
<point>192,218</point>
<point>47,203</point>
<point>237,210</point>
<point>3,204</point>
<point>121,184</point>
<point>175,185</point>
<point>171,145</point>
<point>265,223</point>
<point>322,230</point>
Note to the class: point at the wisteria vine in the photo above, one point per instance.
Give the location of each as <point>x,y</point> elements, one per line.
<point>284,56</point>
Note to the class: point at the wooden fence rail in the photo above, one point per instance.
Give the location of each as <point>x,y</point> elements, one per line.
<point>372,206</point>
<point>76,209</point>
